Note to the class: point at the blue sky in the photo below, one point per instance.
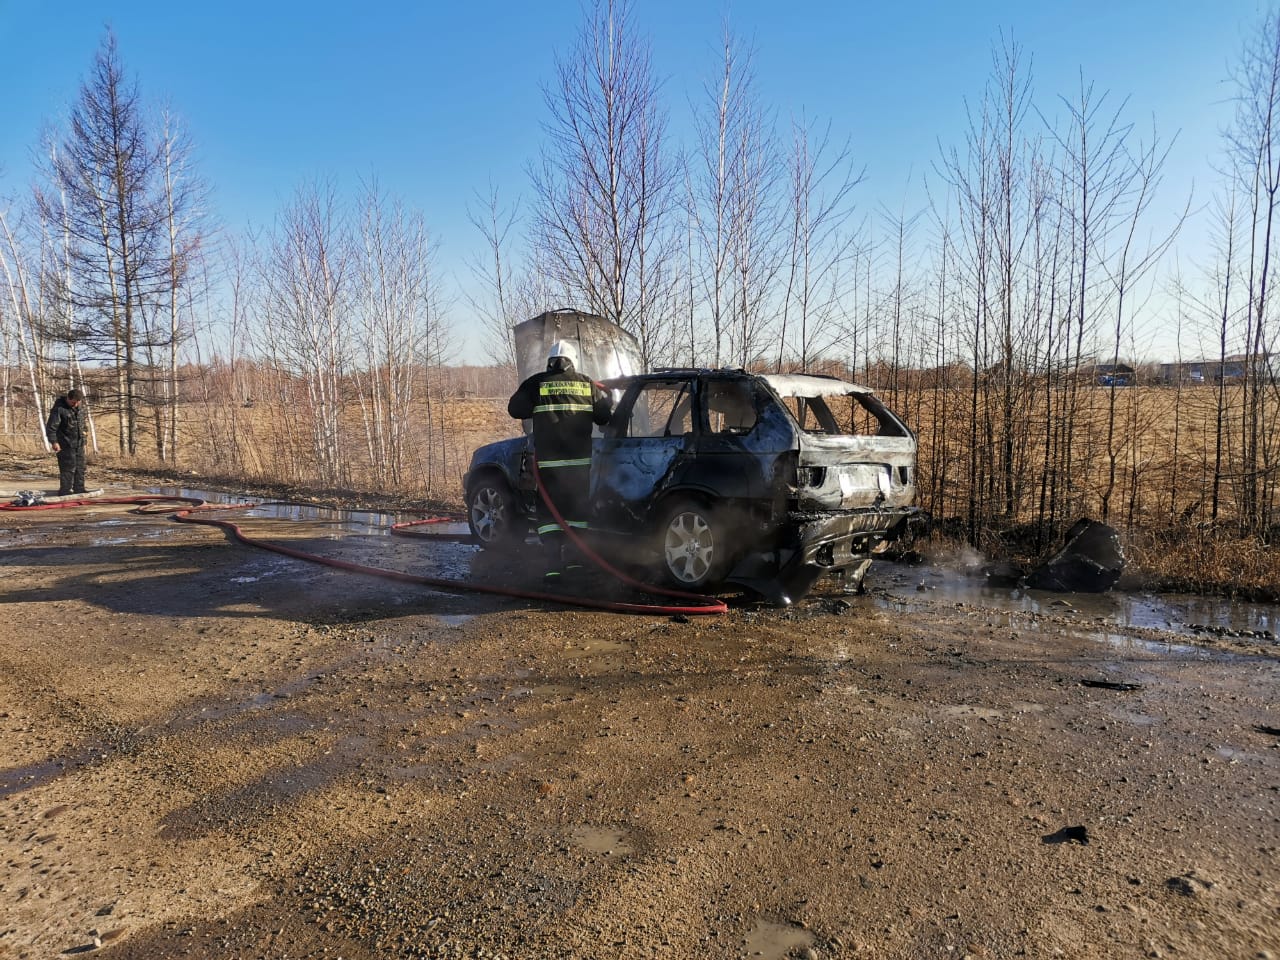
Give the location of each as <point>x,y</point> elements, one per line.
<point>440,99</point>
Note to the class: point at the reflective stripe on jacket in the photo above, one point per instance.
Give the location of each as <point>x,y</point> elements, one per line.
<point>563,405</point>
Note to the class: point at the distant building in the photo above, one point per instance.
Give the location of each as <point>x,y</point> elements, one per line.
<point>1230,369</point>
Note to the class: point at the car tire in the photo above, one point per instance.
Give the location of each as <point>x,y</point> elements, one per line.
<point>493,513</point>
<point>692,545</point>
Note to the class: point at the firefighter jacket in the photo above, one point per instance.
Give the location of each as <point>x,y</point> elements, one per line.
<point>65,425</point>
<point>563,405</point>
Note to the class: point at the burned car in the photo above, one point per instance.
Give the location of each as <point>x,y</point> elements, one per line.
<point>767,481</point>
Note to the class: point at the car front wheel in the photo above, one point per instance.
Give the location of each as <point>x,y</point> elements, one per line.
<point>492,513</point>
<point>693,545</point>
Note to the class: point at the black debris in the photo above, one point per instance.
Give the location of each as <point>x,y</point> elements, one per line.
<point>1110,685</point>
<point>1090,561</point>
<point>1077,834</point>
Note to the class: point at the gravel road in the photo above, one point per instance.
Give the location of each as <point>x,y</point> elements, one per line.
<point>214,752</point>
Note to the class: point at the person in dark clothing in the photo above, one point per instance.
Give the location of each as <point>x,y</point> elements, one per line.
<point>563,404</point>
<point>65,430</point>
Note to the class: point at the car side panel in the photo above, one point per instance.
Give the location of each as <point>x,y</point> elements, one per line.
<point>626,475</point>
<point>742,467</point>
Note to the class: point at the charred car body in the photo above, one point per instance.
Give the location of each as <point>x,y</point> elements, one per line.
<point>766,481</point>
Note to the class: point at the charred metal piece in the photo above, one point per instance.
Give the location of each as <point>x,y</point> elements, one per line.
<point>1111,685</point>
<point>1090,561</point>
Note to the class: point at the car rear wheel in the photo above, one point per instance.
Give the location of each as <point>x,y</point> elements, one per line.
<point>492,513</point>
<point>693,545</point>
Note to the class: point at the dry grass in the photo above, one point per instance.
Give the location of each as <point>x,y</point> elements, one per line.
<point>271,447</point>
<point>1206,561</point>
<point>1163,451</point>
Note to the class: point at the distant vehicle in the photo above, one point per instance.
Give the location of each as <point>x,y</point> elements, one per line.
<point>1114,375</point>
<point>1115,380</point>
<point>723,476</point>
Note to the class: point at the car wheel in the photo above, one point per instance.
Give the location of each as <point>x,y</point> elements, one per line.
<point>693,545</point>
<point>492,513</point>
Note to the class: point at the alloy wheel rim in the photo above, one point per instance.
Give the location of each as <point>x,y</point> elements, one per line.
<point>689,547</point>
<point>487,513</point>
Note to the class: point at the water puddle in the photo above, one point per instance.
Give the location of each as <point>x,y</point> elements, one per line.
<point>606,840</point>
<point>1105,617</point>
<point>364,536</point>
<point>364,522</point>
<point>594,645</point>
<point>455,619</point>
<point>447,530</point>
<point>1132,644</point>
<point>18,779</point>
<point>140,533</point>
<point>776,941</point>
<point>209,712</point>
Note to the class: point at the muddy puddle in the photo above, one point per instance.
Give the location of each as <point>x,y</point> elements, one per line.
<point>1164,623</point>
<point>776,941</point>
<point>609,841</point>
<point>1111,617</point>
<point>438,550</point>
<point>320,518</point>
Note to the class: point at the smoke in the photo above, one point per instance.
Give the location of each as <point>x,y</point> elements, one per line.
<point>962,558</point>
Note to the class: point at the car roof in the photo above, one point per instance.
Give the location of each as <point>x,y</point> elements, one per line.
<point>783,384</point>
<point>810,385</point>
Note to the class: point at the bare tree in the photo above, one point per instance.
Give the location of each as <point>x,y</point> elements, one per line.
<point>499,306</point>
<point>395,300</point>
<point>305,325</point>
<point>728,176</point>
<point>182,199</point>
<point>1131,261</point>
<point>971,181</point>
<point>115,218</point>
<point>822,177</point>
<point>1253,145</point>
<point>604,185</point>
<point>21,325</point>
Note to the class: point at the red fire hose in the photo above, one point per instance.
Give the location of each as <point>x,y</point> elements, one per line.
<point>708,605</point>
<point>705,605</point>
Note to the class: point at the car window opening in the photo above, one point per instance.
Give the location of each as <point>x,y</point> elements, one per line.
<point>661,409</point>
<point>731,407</point>
<point>857,415</point>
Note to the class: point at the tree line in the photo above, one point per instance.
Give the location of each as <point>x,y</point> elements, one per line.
<point>1043,251</point>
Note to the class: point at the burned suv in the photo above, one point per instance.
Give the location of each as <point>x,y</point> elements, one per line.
<point>722,476</point>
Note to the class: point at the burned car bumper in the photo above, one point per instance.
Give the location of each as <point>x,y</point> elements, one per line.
<point>809,546</point>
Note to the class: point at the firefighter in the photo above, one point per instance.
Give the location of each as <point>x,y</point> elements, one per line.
<point>563,404</point>
<point>65,431</point>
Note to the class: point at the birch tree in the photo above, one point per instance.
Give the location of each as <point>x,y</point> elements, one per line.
<point>1255,165</point>
<point>822,179</point>
<point>603,188</point>
<point>494,275</point>
<point>395,302</point>
<point>305,327</point>
<point>728,174</point>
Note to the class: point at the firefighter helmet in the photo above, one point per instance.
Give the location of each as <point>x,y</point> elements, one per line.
<point>563,348</point>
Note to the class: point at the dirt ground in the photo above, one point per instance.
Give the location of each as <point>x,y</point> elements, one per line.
<point>213,751</point>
